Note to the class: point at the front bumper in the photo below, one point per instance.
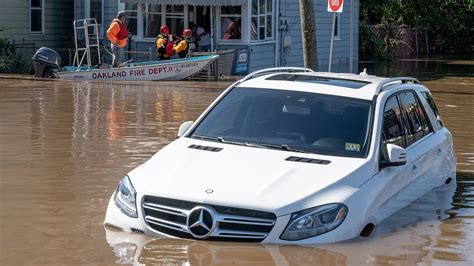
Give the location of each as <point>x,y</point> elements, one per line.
<point>347,230</point>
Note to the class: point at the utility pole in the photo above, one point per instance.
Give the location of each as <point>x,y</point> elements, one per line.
<point>308,34</point>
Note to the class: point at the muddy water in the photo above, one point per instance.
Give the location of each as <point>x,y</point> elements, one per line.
<point>64,146</point>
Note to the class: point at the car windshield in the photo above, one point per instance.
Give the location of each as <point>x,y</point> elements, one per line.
<point>289,120</point>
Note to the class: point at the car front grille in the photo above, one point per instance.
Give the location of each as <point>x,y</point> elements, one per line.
<point>169,216</point>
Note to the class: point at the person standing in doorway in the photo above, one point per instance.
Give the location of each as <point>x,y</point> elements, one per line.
<point>202,36</point>
<point>117,35</point>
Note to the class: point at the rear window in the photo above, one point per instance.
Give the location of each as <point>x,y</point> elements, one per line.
<point>434,108</point>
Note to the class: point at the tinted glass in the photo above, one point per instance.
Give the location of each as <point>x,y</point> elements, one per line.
<point>392,131</point>
<point>433,106</point>
<point>415,119</point>
<point>306,121</point>
<point>35,3</point>
<point>36,20</point>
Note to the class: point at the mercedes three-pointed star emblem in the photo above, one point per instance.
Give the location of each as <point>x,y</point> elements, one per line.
<point>201,222</point>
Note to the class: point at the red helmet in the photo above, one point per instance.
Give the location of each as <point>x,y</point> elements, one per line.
<point>165,30</point>
<point>187,32</point>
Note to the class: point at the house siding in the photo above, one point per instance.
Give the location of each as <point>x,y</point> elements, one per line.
<point>262,55</point>
<point>15,22</point>
<point>293,56</point>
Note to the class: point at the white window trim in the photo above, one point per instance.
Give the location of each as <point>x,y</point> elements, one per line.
<point>87,14</point>
<point>42,19</point>
<point>140,17</point>
<point>245,35</point>
<point>246,13</point>
<point>121,7</point>
<point>265,14</point>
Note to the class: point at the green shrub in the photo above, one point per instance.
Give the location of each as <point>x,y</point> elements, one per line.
<point>10,60</point>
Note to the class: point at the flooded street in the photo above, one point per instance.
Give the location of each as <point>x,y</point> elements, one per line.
<point>65,145</point>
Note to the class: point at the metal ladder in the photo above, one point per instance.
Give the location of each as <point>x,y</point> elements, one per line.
<point>83,26</point>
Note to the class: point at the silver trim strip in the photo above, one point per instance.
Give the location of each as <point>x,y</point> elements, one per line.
<point>166,223</point>
<point>165,209</point>
<point>218,218</point>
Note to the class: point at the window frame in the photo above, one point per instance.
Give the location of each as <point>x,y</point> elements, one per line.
<point>219,27</point>
<point>88,10</point>
<point>145,14</point>
<point>434,107</point>
<point>266,15</point>
<point>403,120</point>
<point>42,8</point>
<point>427,120</point>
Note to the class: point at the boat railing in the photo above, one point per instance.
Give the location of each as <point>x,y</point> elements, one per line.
<point>89,29</point>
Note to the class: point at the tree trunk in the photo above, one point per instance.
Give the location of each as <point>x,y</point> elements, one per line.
<point>308,34</point>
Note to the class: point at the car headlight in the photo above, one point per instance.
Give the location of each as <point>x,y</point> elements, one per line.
<point>125,198</point>
<point>314,221</point>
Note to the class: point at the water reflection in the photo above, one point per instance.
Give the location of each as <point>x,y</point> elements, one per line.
<point>426,231</point>
<point>64,146</point>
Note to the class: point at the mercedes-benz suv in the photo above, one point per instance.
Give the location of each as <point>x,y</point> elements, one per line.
<point>288,155</point>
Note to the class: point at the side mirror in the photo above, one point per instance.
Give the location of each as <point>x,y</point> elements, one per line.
<point>396,156</point>
<point>184,128</point>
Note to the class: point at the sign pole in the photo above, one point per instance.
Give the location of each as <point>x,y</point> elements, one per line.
<point>332,40</point>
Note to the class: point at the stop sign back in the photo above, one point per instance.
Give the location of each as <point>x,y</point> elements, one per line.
<point>335,6</point>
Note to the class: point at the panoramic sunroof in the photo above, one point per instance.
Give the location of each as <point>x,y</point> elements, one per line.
<point>352,84</point>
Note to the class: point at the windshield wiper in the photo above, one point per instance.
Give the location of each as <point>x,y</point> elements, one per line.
<point>218,139</point>
<point>275,146</point>
<point>250,144</point>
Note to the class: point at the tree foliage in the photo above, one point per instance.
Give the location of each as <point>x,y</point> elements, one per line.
<point>448,23</point>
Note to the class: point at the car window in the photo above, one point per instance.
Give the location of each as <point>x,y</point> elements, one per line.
<point>310,122</point>
<point>392,131</point>
<point>414,117</point>
<point>434,108</point>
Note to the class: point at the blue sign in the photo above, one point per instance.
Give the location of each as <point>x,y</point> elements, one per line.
<point>241,61</point>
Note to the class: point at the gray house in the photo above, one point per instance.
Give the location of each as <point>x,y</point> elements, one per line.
<point>34,23</point>
<point>269,30</point>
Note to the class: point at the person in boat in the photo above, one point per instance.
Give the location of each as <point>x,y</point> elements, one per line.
<point>117,35</point>
<point>165,43</point>
<point>182,47</point>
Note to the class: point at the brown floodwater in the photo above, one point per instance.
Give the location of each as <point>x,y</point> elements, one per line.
<point>64,146</point>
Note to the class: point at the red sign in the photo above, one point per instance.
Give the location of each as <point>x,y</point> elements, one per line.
<point>335,6</point>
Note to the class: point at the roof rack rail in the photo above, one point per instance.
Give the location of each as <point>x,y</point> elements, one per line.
<point>384,83</point>
<point>275,69</point>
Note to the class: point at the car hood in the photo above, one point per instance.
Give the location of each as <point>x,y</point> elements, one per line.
<point>247,177</point>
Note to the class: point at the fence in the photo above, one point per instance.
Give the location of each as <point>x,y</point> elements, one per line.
<point>219,69</point>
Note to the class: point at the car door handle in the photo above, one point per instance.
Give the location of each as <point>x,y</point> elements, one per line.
<point>414,168</point>
<point>440,150</point>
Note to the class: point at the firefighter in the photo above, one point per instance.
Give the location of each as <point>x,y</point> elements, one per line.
<point>117,35</point>
<point>164,44</point>
<point>182,47</point>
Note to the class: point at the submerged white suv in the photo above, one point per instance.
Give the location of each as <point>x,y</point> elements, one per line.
<point>288,155</point>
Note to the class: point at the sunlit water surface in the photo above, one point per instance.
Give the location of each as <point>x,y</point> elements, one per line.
<point>64,146</point>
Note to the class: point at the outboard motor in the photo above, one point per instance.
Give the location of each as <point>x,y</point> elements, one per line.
<point>46,62</point>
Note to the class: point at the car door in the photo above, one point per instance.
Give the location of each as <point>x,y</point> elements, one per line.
<point>404,124</point>
<point>446,167</point>
<point>422,146</point>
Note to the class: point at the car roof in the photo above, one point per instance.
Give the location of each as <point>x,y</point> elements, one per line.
<point>360,86</point>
